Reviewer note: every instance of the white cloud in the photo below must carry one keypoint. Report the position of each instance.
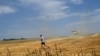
(86, 22)
(6, 9)
(93, 16)
(85, 14)
(97, 10)
(77, 1)
(50, 9)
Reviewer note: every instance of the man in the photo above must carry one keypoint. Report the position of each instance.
(42, 40)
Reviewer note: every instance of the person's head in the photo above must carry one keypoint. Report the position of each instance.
(41, 35)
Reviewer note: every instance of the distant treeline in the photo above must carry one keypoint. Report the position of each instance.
(13, 39)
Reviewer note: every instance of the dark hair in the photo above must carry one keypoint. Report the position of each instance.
(41, 35)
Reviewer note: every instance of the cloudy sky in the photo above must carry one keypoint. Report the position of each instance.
(30, 18)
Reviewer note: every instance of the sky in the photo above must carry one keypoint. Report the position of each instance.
(30, 18)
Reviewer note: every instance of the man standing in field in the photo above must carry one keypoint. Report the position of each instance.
(42, 41)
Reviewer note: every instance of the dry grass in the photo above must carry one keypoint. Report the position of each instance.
(89, 46)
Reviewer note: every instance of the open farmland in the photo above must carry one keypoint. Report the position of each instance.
(72, 46)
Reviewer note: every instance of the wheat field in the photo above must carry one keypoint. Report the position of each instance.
(72, 46)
